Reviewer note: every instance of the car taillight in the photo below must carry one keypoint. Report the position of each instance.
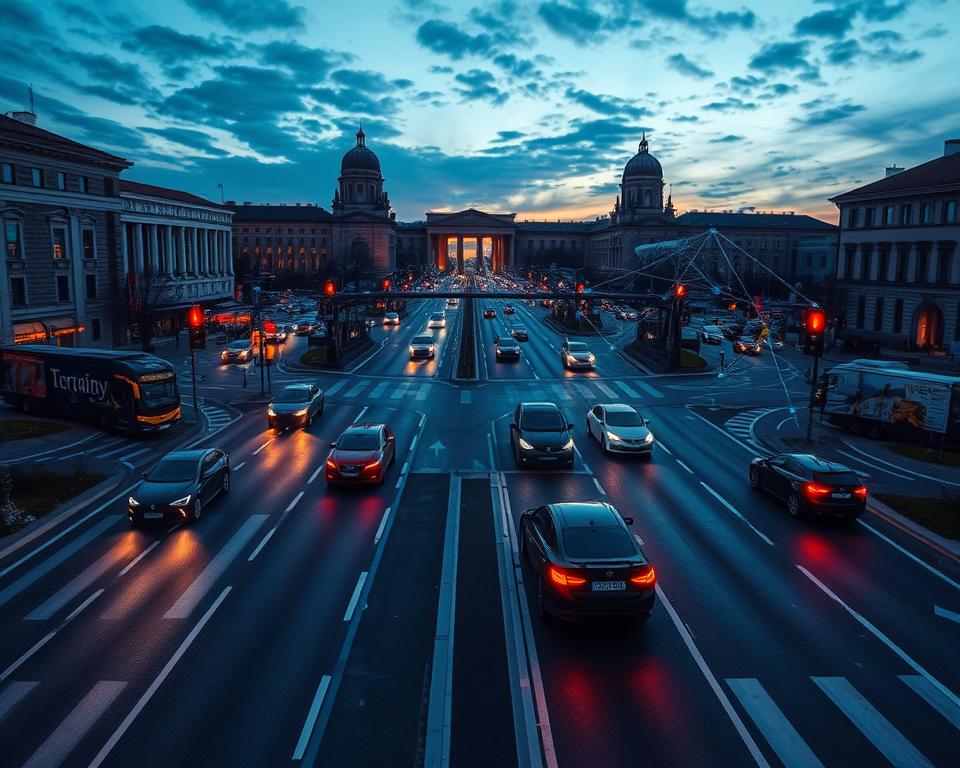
(815, 490)
(331, 464)
(373, 466)
(565, 579)
(645, 578)
(860, 491)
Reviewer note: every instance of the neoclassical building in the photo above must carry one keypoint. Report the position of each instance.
(361, 231)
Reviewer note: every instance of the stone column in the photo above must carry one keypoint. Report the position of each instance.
(194, 264)
(481, 265)
(154, 249)
(169, 263)
(76, 267)
(138, 250)
(460, 253)
(950, 251)
(204, 265)
(912, 264)
(842, 264)
(124, 265)
(933, 262)
(893, 261)
(6, 314)
(510, 252)
(230, 253)
(857, 263)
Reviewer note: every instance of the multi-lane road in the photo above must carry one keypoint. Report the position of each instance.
(395, 626)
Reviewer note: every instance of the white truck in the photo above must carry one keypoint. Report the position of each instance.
(876, 397)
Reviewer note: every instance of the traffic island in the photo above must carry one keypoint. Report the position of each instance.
(317, 357)
(27, 495)
(940, 515)
(25, 429)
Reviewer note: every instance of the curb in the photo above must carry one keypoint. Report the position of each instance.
(946, 547)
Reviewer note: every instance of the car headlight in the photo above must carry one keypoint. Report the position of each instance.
(411, 350)
(301, 412)
(611, 436)
(182, 502)
(270, 411)
(133, 502)
(223, 354)
(525, 445)
(591, 358)
(648, 438)
(568, 446)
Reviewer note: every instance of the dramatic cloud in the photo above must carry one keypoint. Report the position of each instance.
(777, 56)
(830, 115)
(479, 85)
(730, 138)
(684, 66)
(251, 15)
(730, 104)
(165, 44)
(575, 21)
(308, 64)
(835, 23)
(448, 39)
(605, 105)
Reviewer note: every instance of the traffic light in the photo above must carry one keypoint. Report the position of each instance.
(581, 287)
(386, 284)
(329, 288)
(198, 331)
(679, 290)
(815, 325)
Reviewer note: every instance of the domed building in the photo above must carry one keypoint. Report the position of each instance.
(641, 187)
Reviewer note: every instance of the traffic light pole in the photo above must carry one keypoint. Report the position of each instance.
(193, 378)
(813, 393)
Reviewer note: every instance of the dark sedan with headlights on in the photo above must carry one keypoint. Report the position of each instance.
(746, 345)
(507, 348)
(586, 561)
(810, 484)
(295, 406)
(361, 455)
(239, 351)
(179, 486)
(540, 434)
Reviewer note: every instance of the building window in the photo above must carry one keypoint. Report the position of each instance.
(878, 314)
(95, 328)
(12, 241)
(906, 214)
(897, 316)
(868, 217)
(926, 213)
(922, 261)
(36, 177)
(6, 173)
(59, 236)
(950, 212)
(63, 288)
(888, 215)
(61, 180)
(853, 218)
(91, 283)
(882, 265)
(823, 259)
(89, 245)
(943, 267)
(84, 184)
(18, 291)
(902, 260)
(808, 260)
(861, 310)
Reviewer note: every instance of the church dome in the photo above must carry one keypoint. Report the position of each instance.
(360, 158)
(643, 163)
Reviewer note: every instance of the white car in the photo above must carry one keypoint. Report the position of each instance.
(620, 428)
(452, 302)
(391, 318)
(437, 320)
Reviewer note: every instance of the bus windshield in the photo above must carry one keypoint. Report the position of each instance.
(157, 394)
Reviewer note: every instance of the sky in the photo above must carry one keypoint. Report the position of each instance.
(531, 107)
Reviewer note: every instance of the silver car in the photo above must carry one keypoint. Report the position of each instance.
(576, 354)
(422, 347)
(295, 406)
(620, 428)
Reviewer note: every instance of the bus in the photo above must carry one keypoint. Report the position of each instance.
(113, 389)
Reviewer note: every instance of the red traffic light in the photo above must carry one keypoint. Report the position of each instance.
(269, 326)
(386, 284)
(329, 288)
(580, 287)
(816, 320)
(679, 290)
(195, 317)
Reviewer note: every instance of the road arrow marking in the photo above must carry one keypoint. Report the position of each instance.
(436, 448)
(945, 614)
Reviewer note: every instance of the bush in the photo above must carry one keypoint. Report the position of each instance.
(315, 356)
(19, 429)
(690, 359)
(26, 495)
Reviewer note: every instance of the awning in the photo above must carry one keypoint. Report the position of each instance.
(24, 333)
(61, 326)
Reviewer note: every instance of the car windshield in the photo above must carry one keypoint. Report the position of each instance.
(173, 471)
(836, 478)
(436, 316)
(577, 346)
(597, 541)
(542, 421)
(358, 441)
(292, 395)
(423, 339)
(159, 393)
(391, 315)
(238, 346)
(624, 419)
(507, 343)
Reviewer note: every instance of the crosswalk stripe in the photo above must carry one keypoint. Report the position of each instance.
(58, 746)
(605, 389)
(129, 456)
(356, 389)
(878, 730)
(584, 390)
(562, 393)
(423, 393)
(790, 747)
(13, 693)
(379, 389)
(627, 389)
(336, 387)
(400, 391)
(934, 697)
(648, 389)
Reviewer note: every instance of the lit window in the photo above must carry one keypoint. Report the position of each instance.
(59, 243)
(11, 236)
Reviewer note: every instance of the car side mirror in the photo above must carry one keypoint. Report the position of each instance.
(143, 475)
(628, 520)
(526, 513)
(333, 445)
(569, 426)
(646, 422)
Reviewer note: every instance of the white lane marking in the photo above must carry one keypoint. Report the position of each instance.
(561, 392)
(238, 466)
(604, 388)
(82, 440)
(261, 545)
(933, 697)
(55, 560)
(627, 389)
(311, 718)
(599, 487)
(315, 473)
(334, 388)
(129, 456)
(662, 447)
(943, 613)
(909, 554)
(584, 390)
(401, 390)
(465, 397)
(684, 466)
(362, 412)
(648, 389)
(423, 393)
(193, 594)
(378, 390)
(352, 605)
(13, 693)
(878, 730)
(738, 724)
(293, 503)
(789, 745)
(112, 452)
(383, 522)
(155, 685)
(406, 466)
(875, 466)
(263, 446)
(437, 749)
(138, 558)
(735, 511)
(74, 587)
(864, 622)
(59, 744)
(752, 449)
(356, 389)
(913, 473)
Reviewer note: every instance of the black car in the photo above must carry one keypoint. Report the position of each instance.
(519, 332)
(489, 312)
(810, 484)
(541, 434)
(747, 345)
(179, 486)
(507, 348)
(586, 561)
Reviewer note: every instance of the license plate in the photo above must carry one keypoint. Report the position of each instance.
(548, 458)
(840, 495)
(351, 470)
(152, 515)
(608, 586)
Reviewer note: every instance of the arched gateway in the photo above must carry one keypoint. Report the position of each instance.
(446, 229)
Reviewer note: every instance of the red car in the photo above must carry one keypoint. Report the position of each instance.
(363, 454)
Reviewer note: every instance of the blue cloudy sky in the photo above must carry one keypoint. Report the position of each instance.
(531, 107)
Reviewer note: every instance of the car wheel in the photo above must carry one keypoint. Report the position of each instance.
(874, 431)
(542, 611)
(856, 427)
(226, 482)
(197, 510)
(793, 505)
(754, 479)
